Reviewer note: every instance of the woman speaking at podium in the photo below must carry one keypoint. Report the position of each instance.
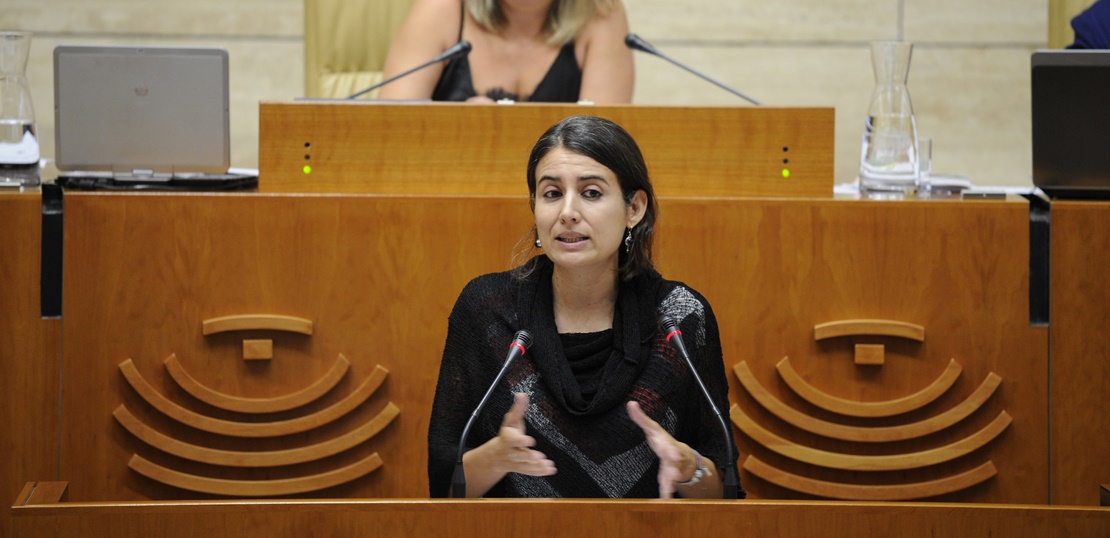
(522, 50)
(600, 404)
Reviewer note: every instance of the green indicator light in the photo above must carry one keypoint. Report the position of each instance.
(785, 172)
(307, 169)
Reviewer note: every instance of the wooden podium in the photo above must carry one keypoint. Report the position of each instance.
(284, 344)
(287, 345)
(417, 518)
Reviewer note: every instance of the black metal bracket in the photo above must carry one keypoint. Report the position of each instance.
(50, 279)
(1040, 227)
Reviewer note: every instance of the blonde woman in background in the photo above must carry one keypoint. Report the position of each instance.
(523, 50)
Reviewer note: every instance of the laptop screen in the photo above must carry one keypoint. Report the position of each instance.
(1071, 122)
(138, 110)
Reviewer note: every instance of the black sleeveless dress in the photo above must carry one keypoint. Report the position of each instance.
(561, 84)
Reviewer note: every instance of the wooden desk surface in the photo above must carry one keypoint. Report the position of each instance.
(416, 518)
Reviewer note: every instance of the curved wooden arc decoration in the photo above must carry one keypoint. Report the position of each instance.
(251, 429)
(275, 458)
(855, 408)
(254, 488)
(855, 492)
(855, 462)
(869, 327)
(247, 322)
(832, 430)
(257, 405)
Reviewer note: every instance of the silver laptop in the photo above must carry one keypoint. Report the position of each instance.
(142, 113)
(1071, 122)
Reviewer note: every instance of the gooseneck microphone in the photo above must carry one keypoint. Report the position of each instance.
(728, 475)
(458, 50)
(635, 42)
(521, 342)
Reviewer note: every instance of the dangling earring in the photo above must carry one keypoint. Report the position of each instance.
(538, 245)
(628, 241)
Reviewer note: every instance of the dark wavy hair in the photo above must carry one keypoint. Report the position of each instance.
(610, 145)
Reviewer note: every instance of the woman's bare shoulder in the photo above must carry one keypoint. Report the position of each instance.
(438, 18)
(608, 20)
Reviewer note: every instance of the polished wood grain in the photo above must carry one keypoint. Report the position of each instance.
(898, 492)
(42, 493)
(255, 488)
(1079, 323)
(869, 354)
(465, 518)
(246, 322)
(453, 148)
(30, 353)
(376, 289)
(232, 428)
(775, 269)
(258, 350)
(878, 327)
(284, 402)
(252, 458)
(378, 276)
(853, 462)
(862, 434)
(855, 408)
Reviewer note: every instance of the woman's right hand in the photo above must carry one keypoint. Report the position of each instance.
(514, 447)
(509, 452)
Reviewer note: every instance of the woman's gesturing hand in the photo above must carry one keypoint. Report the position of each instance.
(514, 445)
(677, 461)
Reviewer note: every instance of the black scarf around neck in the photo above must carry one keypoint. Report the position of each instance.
(634, 323)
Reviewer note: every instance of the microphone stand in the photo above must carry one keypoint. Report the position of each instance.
(459, 49)
(521, 342)
(728, 476)
(636, 42)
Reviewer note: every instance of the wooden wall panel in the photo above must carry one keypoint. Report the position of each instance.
(377, 275)
(29, 354)
(448, 148)
(1080, 351)
(775, 270)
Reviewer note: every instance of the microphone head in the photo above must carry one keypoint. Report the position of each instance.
(523, 339)
(460, 49)
(671, 332)
(635, 42)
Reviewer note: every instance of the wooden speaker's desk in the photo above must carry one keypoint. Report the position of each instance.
(451, 148)
(265, 345)
(151, 280)
(418, 518)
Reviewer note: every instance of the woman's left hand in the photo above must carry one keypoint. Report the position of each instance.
(677, 461)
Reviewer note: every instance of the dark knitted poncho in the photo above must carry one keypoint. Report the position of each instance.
(598, 451)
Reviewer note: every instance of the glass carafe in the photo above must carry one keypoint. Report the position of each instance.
(888, 157)
(19, 145)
